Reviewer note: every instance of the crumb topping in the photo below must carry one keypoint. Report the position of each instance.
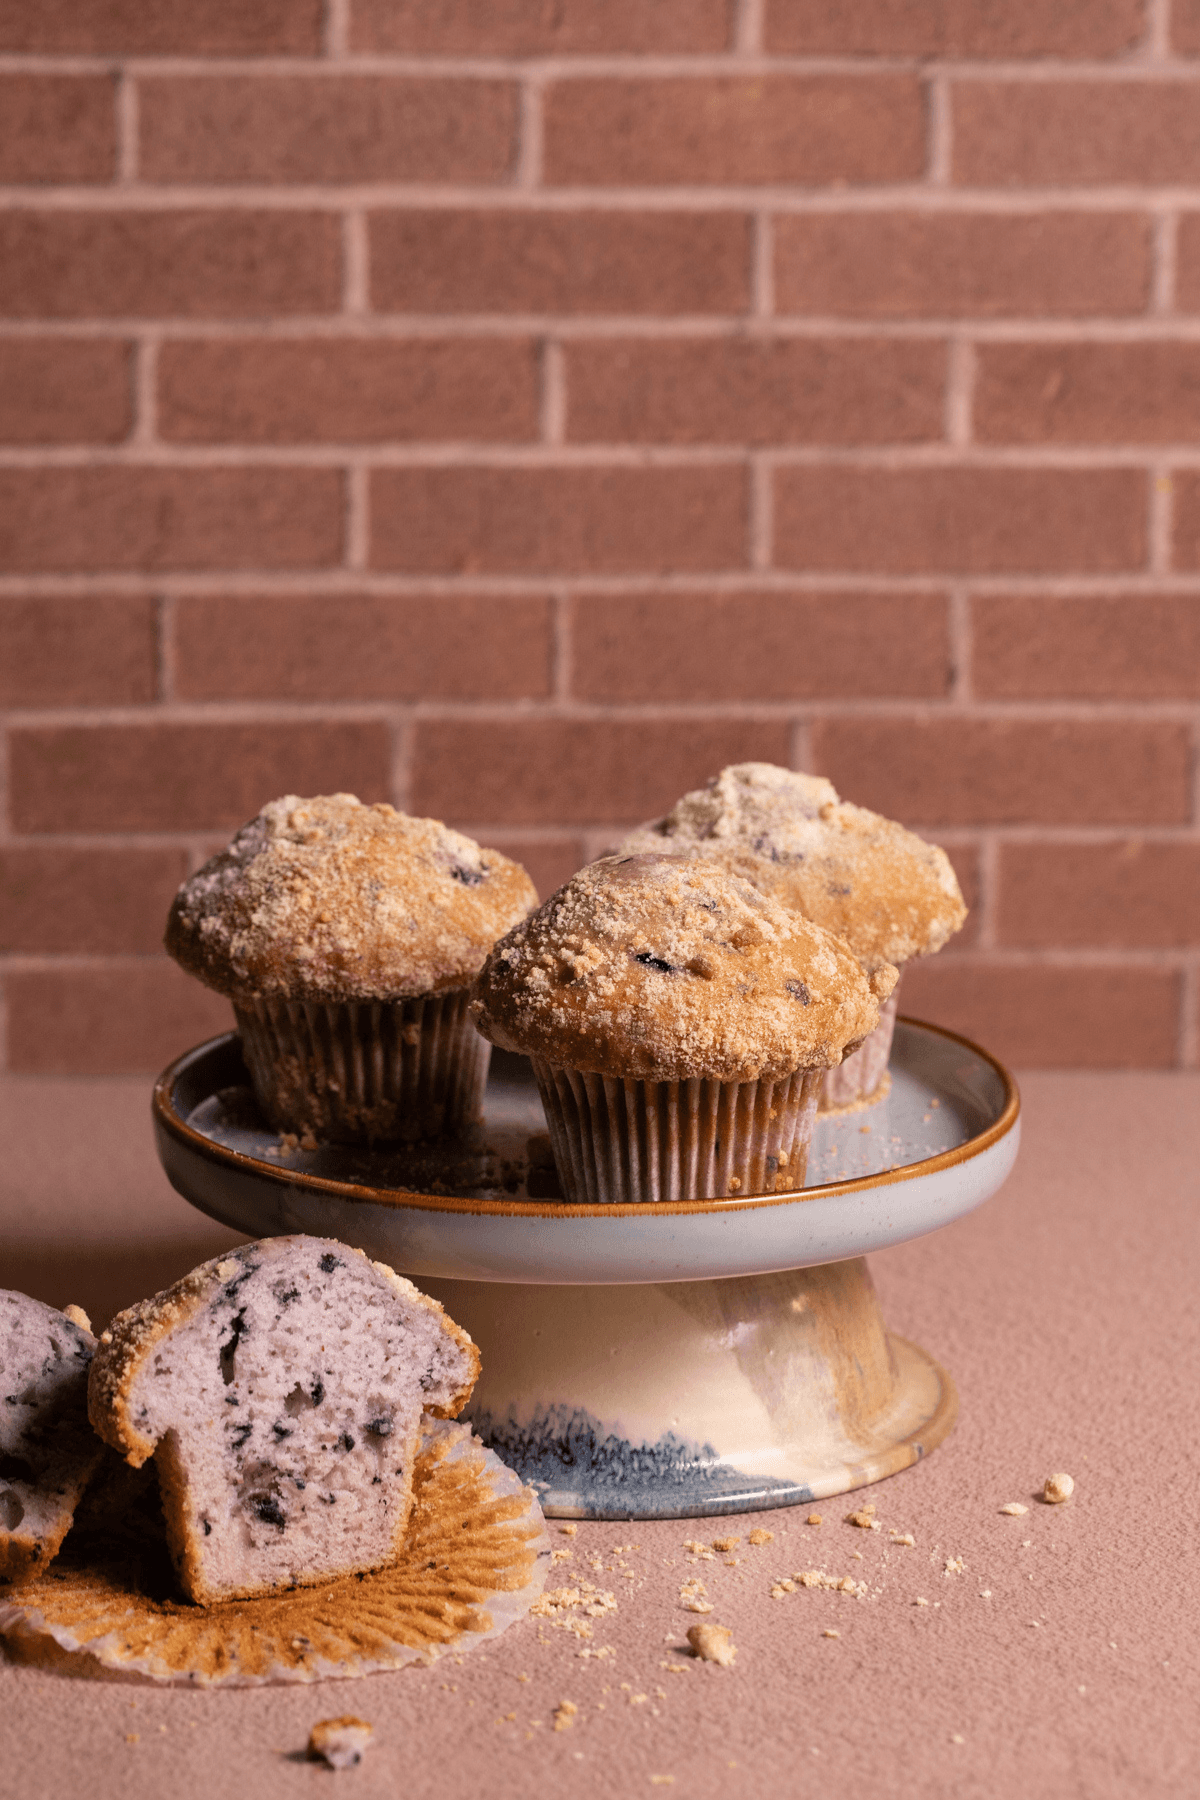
(329, 899)
(658, 968)
(887, 892)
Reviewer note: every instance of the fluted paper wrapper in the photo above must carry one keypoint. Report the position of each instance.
(366, 1072)
(620, 1143)
(860, 1079)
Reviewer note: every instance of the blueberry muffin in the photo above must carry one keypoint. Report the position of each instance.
(680, 1023)
(347, 937)
(889, 894)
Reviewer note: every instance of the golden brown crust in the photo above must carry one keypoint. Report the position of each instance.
(886, 891)
(328, 899)
(660, 968)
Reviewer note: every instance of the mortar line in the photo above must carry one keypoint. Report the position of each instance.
(762, 266)
(939, 127)
(961, 647)
(748, 28)
(1160, 522)
(127, 123)
(528, 157)
(1164, 263)
(553, 398)
(356, 278)
(761, 504)
(143, 380)
(562, 650)
(961, 366)
(356, 517)
(335, 45)
(166, 649)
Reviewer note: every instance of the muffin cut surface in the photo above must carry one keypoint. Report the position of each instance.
(48, 1451)
(280, 1390)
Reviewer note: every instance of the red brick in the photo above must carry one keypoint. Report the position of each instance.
(539, 520)
(64, 390)
(1048, 132)
(912, 265)
(961, 28)
(356, 390)
(57, 128)
(558, 262)
(85, 902)
(1131, 895)
(774, 646)
(156, 518)
(782, 128)
(1187, 271)
(541, 771)
(1035, 1015)
(1010, 772)
(1185, 26)
(1088, 393)
(756, 390)
(363, 646)
(185, 777)
(549, 862)
(123, 1018)
(965, 860)
(1186, 548)
(195, 264)
(166, 28)
(532, 28)
(331, 128)
(86, 650)
(977, 520)
(1094, 647)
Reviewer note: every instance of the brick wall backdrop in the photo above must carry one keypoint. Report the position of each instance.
(519, 408)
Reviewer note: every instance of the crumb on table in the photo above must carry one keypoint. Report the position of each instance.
(339, 1743)
(1057, 1488)
(713, 1643)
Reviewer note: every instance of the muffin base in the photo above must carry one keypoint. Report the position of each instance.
(860, 1080)
(622, 1143)
(366, 1072)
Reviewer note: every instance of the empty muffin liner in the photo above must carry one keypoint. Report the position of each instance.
(370, 1071)
(862, 1078)
(621, 1142)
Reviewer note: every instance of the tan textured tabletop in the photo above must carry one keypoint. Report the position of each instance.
(1061, 1660)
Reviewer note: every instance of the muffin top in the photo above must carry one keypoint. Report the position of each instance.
(887, 892)
(664, 968)
(328, 899)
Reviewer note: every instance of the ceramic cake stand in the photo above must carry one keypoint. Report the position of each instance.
(657, 1361)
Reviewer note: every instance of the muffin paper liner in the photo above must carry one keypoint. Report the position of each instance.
(621, 1142)
(474, 1561)
(362, 1072)
(861, 1076)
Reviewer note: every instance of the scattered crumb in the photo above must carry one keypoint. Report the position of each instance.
(584, 1597)
(638, 1699)
(903, 1537)
(864, 1518)
(703, 1551)
(920, 1603)
(1057, 1488)
(308, 1141)
(560, 1556)
(662, 1780)
(955, 1565)
(522, 1678)
(568, 1530)
(1014, 1509)
(857, 1555)
(817, 1578)
(339, 1743)
(713, 1643)
(985, 1593)
(726, 1544)
(288, 1140)
(761, 1536)
(830, 1632)
(814, 1519)
(78, 1317)
(564, 1715)
(781, 1588)
(600, 1654)
(133, 1737)
(957, 1738)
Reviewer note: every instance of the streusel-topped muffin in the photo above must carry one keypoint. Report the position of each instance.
(679, 1022)
(347, 937)
(887, 892)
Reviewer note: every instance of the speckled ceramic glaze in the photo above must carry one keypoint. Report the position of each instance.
(650, 1360)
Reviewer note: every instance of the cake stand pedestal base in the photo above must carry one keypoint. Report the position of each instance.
(690, 1398)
